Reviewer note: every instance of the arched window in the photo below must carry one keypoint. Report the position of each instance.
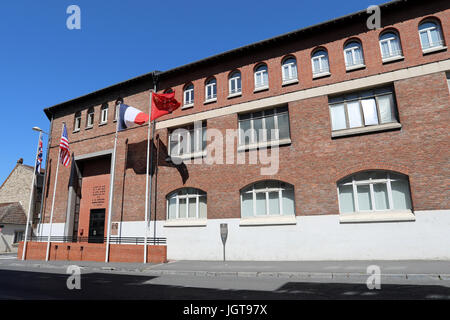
(90, 118)
(104, 113)
(390, 45)
(261, 77)
(373, 191)
(353, 55)
(234, 83)
(289, 70)
(320, 65)
(267, 198)
(430, 35)
(186, 203)
(211, 90)
(188, 95)
(77, 121)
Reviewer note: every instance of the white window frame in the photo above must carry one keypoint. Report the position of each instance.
(188, 96)
(104, 114)
(251, 189)
(352, 47)
(436, 46)
(392, 55)
(260, 85)
(361, 111)
(199, 151)
(77, 123)
(287, 70)
(253, 142)
(188, 198)
(324, 63)
(234, 78)
(209, 88)
(90, 119)
(390, 214)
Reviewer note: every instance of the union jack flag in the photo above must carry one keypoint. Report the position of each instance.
(64, 148)
(39, 156)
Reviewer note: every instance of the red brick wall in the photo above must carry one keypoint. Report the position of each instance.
(93, 252)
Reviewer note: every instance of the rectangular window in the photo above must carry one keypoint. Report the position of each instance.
(363, 109)
(90, 119)
(264, 126)
(77, 122)
(188, 141)
(18, 236)
(104, 115)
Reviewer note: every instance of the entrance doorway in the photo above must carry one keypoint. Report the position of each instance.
(97, 226)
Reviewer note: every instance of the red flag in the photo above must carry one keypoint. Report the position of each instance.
(163, 104)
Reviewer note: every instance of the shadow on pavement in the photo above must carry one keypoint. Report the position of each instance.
(100, 286)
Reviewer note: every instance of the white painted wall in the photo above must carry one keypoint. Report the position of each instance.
(312, 238)
(7, 237)
(57, 229)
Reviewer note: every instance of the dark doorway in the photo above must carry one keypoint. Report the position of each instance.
(97, 226)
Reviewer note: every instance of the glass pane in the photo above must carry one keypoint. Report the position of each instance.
(192, 139)
(338, 117)
(288, 202)
(385, 49)
(349, 58)
(202, 207)
(173, 208)
(270, 125)
(354, 114)
(283, 125)
(424, 40)
(400, 195)
(381, 196)
(370, 111)
(245, 132)
(346, 200)
(435, 37)
(203, 138)
(192, 208)
(386, 106)
(247, 204)
(182, 208)
(364, 201)
(257, 126)
(274, 203)
(261, 203)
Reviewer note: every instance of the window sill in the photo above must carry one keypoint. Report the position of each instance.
(264, 144)
(356, 67)
(186, 223)
(381, 216)
(187, 106)
(321, 75)
(355, 131)
(102, 124)
(258, 89)
(434, 49)
(268, 220)
(210, 101)
(288, 82)
(233, 95)
(75, 131)
(90, 127)
(392, 59)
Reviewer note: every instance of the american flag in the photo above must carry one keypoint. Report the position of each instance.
(64, 147)
(39, 156)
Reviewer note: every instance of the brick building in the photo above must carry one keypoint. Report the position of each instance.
(362, 168)
(14, 202)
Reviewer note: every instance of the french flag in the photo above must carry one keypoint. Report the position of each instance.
(129, 117)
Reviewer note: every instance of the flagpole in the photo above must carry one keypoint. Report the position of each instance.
(111, 191)
(31, 198)
(148, 185)
(53, 200)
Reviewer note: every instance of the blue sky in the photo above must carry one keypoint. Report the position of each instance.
(42, 63)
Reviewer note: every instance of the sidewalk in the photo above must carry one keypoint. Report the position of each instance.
(407, 269)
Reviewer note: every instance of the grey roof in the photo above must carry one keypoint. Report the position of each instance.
(148, 77)
(12, 213)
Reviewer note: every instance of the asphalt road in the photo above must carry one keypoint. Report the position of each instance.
(23, 283)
